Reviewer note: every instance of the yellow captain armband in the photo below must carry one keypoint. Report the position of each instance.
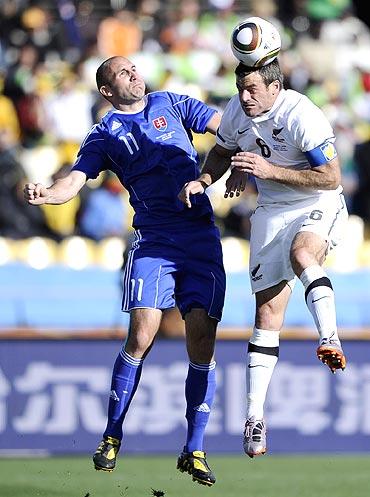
(322, 154)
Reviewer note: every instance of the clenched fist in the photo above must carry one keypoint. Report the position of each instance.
(35, 194)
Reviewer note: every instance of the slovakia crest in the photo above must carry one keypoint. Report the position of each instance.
(160, 123)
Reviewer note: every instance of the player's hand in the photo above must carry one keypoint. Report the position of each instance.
(235, 183)
(191, 188)
(35, 194)
(247, 162)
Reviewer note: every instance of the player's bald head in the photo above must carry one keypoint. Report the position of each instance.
(104, 72)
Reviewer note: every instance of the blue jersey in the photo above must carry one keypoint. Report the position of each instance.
(152, 154)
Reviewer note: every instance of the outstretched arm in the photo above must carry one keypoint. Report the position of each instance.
(215, 166)
(58, 193)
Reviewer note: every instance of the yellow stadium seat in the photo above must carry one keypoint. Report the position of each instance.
(236, 253)
(110, 253)
(346, 257)
(77, 252)
(8, 252)
(364, 254)
(62, 218)
(37, 252)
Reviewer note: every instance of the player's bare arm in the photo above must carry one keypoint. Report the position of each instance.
(214, 123)
(326, 176)
(215, 166)
(61, 191)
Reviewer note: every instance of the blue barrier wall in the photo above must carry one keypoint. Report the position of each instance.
(59, 297)
(53, 397)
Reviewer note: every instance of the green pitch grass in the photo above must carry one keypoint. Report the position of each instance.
(268, 476)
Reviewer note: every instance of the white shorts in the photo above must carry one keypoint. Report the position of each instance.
(274, 226)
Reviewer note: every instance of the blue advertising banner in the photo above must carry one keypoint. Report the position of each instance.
(53, 398)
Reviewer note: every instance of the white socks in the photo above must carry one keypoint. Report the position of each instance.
(263, 352)
(320, 301)
(263, 349)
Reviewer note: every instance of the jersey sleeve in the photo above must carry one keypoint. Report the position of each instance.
(92, 157)
(195, 114)
(313, 134)
(226, 133)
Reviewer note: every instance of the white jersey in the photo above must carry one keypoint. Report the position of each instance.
(293, 126)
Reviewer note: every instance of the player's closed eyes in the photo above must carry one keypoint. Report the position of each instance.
(125, 72)
(251, 89)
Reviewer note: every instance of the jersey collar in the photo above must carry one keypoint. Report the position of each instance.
(117, 111)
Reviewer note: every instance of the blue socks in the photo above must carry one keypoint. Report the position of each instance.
(125, 379)
(200, 389)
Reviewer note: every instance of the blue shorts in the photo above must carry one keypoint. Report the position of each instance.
(180, 266)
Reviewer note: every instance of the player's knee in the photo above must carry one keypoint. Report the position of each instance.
(300, 258)
(139, 342)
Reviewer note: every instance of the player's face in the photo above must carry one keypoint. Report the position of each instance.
(126, 85)
(255, 97)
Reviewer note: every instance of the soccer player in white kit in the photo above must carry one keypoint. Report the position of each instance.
(281, 138)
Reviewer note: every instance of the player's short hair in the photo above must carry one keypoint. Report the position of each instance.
(103, 73)
(269, 73)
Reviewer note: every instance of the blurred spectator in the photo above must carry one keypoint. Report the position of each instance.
(20, 87)
(72, 34)
(68, 109)
(87, 21)
(19, 80)
(119, 34)
(9, 124)
(361, 198)
(86, 67)
(40, 162)
(104, 212)
(18, 220)
(39, 29)
(150, 17)
(336, 38)
(179, 34)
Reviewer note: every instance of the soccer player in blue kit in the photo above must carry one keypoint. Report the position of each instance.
(176, 256)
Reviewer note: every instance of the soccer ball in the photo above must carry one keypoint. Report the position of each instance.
(255, 42)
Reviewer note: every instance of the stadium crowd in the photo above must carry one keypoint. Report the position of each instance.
(49, 52)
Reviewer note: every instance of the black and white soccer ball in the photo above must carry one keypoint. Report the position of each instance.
(255, 42)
